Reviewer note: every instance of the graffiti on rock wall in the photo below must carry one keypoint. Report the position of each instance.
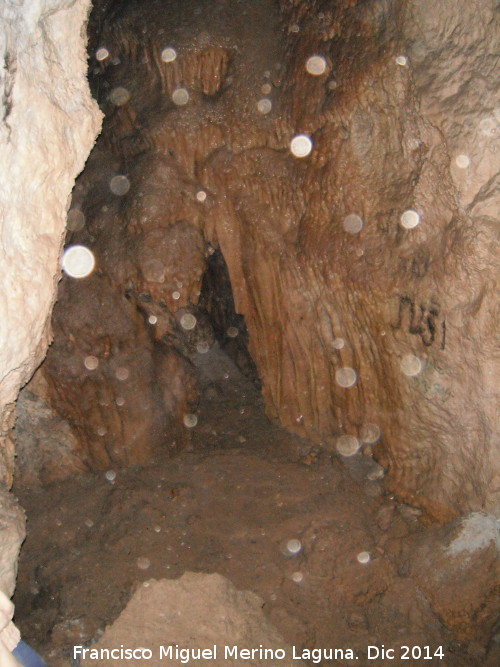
(421, 319)
(416, 266)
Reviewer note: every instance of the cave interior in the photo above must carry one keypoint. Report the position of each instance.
(271, 334)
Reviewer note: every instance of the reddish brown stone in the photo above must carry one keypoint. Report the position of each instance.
(316, 297)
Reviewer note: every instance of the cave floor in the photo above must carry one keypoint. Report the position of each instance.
(230, 505)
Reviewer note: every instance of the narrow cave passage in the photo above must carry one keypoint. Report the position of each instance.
(216, 299)
(238, 386)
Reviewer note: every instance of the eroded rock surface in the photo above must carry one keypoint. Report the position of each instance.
(364, 270)
(12, 534)
(467, 561)
(48, 123)
(366, 573)
(162, 614)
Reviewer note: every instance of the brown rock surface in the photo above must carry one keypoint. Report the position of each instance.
(461, 578)
(123, 410)
(197, 611)
(231, 506)
(356, 325)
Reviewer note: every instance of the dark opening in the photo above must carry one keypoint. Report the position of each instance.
(229, 327)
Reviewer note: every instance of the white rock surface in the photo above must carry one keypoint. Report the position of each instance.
(48, 123)
(478, 530)
(47, 128)
(12, 532)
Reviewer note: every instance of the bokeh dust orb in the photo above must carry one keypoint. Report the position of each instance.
(78, 261)
(301, 145)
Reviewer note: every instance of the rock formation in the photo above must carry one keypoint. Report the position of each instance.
(162, 614)
(314, 181)
(468, 563)
(363, 265)
(48, 124)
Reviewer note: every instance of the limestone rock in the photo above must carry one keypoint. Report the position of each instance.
(124, 393)
(48, 126)
(12, 533)
(452, 58)
(468, 562)
(194, 612)
(46, 446)
(364, 270)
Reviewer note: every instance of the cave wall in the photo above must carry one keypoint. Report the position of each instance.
(389, 138)
(359, 325)
(48, 124)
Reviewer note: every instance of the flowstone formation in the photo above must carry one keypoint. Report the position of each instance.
(342, 160)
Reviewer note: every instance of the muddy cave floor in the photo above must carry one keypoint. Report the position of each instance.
(229, 505)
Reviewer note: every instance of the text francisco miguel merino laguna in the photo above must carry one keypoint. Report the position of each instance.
(186, 655)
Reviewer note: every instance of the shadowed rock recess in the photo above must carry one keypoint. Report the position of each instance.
(363, 272)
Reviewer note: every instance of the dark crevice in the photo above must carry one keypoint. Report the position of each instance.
(230, 330)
